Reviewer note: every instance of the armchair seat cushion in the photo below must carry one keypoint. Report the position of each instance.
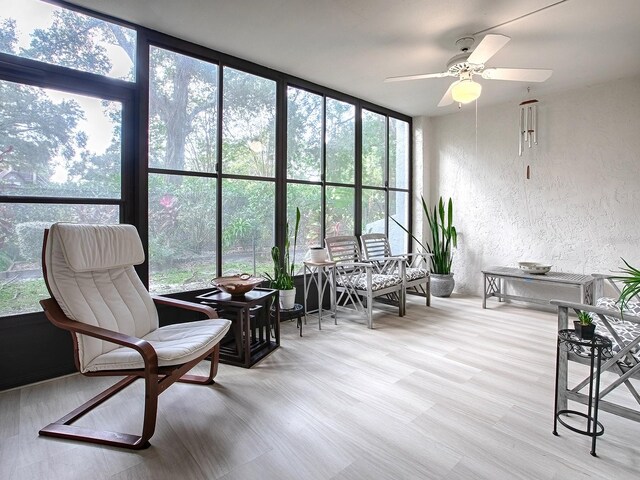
(627, 331)
(174, 344)
(359, 281)
(415, 273)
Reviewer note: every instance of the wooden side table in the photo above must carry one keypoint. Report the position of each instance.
(249, 339)
(494, 278)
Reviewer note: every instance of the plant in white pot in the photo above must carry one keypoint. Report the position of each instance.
(284, 268)
(444, 238)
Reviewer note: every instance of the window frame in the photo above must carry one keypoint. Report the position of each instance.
(134, 96)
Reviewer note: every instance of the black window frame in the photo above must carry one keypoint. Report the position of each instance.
(135, 100)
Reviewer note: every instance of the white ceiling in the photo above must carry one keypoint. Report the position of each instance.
(352, 45)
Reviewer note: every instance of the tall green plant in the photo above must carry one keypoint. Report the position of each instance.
(631, 281)
(444, 236)
(284, 268)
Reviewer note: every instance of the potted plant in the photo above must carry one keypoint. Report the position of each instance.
(284, 268)
(584, 326)
(444, 237)
(631, 281)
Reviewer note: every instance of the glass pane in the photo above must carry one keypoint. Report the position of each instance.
(248, 124)
(340, 142)
(373, 149)
(58, 144)
(182, 232)
(398, 153)
(247, 226)
(373, 211)
(399, 210)
(183, 106)
(41, 31)
(304, 134)
(21, 230)
(340, 211)
(308, 198)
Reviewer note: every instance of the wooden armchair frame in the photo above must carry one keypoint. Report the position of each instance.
(376, 248)
(157, 379)
(350, 270)
(623, 363)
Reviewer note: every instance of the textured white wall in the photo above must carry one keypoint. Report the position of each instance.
(580, 211)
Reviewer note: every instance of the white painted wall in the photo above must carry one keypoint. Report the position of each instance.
(580, 211)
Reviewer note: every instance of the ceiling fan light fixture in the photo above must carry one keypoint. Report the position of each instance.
(465, 91)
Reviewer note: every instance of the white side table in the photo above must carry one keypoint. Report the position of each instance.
(323, 275)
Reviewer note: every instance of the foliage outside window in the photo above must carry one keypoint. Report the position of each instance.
(52, 144)
(61, 144)
(40, 31)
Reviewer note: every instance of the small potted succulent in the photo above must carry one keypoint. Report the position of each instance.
(584, 326)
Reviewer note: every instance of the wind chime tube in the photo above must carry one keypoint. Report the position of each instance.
(529, 124)
(528, 133)
(520, 131)
(535, 124)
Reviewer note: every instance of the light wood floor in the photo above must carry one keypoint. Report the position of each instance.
(447, 392)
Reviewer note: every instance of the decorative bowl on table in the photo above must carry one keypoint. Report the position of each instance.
(237, 285)
(534, 268)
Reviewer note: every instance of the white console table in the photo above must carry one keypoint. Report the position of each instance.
(323, 275)
(494, 278)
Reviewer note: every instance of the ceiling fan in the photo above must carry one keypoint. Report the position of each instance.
(469, 63)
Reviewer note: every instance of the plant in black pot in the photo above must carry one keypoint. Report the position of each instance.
(584, 326)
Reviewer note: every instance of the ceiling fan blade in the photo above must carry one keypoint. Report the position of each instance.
(487, 48)
(447, 98)
(517, 74)
(416, 77)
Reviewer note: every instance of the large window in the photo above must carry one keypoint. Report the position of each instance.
(230, 149)
(188, 174)
(385, 177)
(40, 31)
(183, 120)
(61, 152)
(321, 166)
(248, 164)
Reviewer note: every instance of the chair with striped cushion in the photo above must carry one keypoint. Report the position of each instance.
(359, 282)
(376, 248)
(622, 327)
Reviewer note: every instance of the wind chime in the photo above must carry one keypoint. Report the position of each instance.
(528, 127)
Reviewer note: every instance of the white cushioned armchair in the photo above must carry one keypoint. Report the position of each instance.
(98, 297)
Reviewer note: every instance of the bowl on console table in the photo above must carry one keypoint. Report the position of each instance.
(237, 285)
(534, 268)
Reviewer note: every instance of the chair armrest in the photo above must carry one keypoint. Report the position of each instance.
(354, 264)
(597, 310)
(424, 255)
(55, 314)
(196, 307)
(603, 276)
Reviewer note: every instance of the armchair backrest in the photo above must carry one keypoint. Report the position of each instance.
(89, 271)
(343, 249)
(375, 245)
